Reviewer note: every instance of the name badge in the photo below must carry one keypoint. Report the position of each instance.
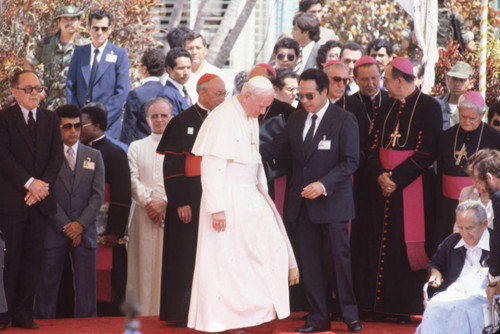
(190, 131)
(325, 144)
(87, 164)
(111, 58)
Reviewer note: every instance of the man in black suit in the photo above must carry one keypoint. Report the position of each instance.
(322, 141)
(31, 151)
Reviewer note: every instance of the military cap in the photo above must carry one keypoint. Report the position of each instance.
(68, 11)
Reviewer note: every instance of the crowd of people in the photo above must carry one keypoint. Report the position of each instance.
(324, 181)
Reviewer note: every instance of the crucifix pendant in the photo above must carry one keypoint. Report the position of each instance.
(253, 144)
(395, 135)
(461, 154)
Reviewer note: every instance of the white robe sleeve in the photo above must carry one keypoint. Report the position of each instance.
(140, 193)
(213, 182)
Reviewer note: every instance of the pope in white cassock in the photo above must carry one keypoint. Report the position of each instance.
(147, 212)
(244, 260)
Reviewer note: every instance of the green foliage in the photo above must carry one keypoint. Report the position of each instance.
(25, 21)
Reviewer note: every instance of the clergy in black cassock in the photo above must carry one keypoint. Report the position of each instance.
(400, 157)
(456, 145)
(181, 173)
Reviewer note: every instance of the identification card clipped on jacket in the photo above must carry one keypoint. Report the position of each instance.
(111, 57)
(87, 164)
(325, 144)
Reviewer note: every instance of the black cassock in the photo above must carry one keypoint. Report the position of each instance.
(386, 283)
(372, 105)
(456, 145)
(183, 187)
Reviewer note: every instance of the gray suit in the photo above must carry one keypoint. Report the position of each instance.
(79, 195)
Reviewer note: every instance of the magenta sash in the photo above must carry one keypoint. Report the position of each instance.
(413, 210)
(453, 185)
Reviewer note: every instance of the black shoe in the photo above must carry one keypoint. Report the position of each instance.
(403, 319)
(3, 326)
(309, 329)
(355, 326)
(28, 324)
(336, 316)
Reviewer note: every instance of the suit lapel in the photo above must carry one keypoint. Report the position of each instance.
(103, 64)
(20, 123)
(86, 63)
(80, 156)
(300, 131)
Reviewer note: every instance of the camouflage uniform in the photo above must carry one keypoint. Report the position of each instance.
(55, 57)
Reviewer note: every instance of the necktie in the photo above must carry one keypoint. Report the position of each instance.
(32, 125)
(71, 158)
(93, 73)
(186, 95)
(310, 133)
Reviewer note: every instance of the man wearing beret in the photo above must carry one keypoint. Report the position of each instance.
(400, 154)
(181, 173)
(54, 53)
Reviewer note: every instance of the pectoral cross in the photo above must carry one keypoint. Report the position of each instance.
(462, 153)
(253, 144)
(395, 135)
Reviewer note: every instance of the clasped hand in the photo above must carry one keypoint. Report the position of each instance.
(37, 192)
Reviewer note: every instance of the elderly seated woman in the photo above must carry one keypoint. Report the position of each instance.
(459, 269)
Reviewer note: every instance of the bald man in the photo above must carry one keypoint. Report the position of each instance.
(181, 172)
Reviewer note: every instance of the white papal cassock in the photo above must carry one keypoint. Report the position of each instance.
(145, 237)
(241, 275)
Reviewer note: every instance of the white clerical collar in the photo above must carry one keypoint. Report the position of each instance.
(333, 101)
(203, 107)
(97, 139)
(149, 79)
(484, 242)
(177, 85)
(26, 112)
(375, 95)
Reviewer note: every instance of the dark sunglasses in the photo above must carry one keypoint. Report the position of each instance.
(308, 96)
(103, 29)
(29, 89)
(339, 79)
(289, 57)
(496, 122)
(68, 126)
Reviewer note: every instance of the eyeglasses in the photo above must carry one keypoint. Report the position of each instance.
(339, 79)
(29, 89)
(220, 94)
(308, 96)
(86, 124)
(290, 57)
(103, 29)
(496, 122)
(162, 116)
(68, 126)
(292, 89)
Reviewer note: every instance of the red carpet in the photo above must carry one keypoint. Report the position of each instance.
(151, 325)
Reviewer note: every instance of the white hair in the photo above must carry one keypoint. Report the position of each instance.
(258, 85)
(475, 207)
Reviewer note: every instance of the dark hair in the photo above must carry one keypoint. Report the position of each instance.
(281, 75)
(14, 81)
(304, 5)
(175, 37)
(97, 113)
(308, 22)
(353, 47)
(318, 76)
(68, 111)
(239, 81)
(405, 76)
(99, 14)
(494, 110)
(191, 36)
(484, 161)
(154, 60)
(172, 55)
(287, 43)
(158, 100)
(378, 44)
(323, 50)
